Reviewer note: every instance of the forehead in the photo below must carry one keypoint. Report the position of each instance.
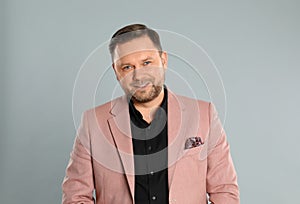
(139, 46)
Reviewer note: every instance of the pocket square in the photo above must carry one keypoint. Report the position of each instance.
(193, 142)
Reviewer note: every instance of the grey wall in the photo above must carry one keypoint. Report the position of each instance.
(255, 44)
(2, 78)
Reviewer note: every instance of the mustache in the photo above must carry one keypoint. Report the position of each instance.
(141, 82)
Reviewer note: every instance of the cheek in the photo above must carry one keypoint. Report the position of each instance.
(160, 73)
(125, 80)
(123, 76)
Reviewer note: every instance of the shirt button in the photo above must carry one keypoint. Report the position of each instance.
(153, 197)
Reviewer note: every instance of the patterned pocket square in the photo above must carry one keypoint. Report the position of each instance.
(193, 142)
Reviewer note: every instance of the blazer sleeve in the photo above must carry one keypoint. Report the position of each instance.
(221, 182)
(78, 184)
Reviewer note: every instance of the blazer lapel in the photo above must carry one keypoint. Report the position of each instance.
(176, 133)
(183, 122)
(121, 131)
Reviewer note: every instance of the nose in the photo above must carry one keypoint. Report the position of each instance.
(137, 73)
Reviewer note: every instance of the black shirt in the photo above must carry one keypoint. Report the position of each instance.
(150, 155)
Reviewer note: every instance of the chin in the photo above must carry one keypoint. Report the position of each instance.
(145, 98)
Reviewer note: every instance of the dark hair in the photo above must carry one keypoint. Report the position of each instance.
(131, 32)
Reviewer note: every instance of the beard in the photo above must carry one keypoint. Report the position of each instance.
(146, 95)
(144, 89)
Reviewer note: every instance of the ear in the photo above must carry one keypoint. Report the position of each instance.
(116, 72)
(164, 59)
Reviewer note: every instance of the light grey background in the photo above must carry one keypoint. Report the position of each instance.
(255, 45)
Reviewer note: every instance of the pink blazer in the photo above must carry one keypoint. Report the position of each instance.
(102, 163)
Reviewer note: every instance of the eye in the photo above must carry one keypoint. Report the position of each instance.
(147, 63)
(126, 67)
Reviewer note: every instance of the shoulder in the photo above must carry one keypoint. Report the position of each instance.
(195, 107)
(192, 100)
(105, 110)
(189, 102)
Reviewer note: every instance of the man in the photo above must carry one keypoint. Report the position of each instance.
(151, 145)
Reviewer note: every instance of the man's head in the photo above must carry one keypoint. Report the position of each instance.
(138, 61)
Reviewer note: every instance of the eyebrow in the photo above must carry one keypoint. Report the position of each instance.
(143, 60)
(147, 58)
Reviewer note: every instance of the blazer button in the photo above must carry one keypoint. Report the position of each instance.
(153, 197)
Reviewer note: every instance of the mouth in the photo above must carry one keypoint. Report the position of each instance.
(141, 85)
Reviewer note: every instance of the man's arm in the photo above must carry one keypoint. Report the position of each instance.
(221, 179)
(78, 184)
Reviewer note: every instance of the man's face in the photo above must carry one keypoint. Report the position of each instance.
(140, 69)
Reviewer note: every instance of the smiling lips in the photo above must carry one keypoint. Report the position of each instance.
(141, 85)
